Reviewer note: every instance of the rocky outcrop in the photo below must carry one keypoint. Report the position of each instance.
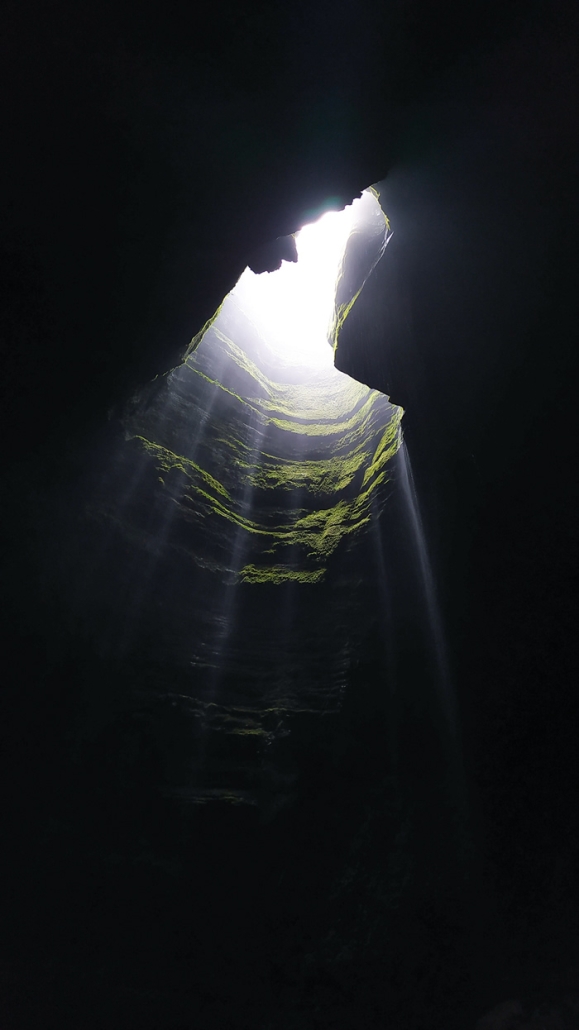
(269, 256)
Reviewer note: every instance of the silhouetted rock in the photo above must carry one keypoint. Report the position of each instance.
(269, 256)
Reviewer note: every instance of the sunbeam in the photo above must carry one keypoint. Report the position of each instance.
(428, 584)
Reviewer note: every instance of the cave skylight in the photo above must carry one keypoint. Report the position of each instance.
(293, 307)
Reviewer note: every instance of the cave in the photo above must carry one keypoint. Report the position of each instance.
(289, 488)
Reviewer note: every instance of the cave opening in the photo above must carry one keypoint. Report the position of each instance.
(246, 505)
(240, 596)
(253, 537)
(292, 306)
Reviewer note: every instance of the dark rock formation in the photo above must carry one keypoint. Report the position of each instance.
(547, 1015)
(408, 879)
(269, 256)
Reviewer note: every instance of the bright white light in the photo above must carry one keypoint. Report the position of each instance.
(293, 306)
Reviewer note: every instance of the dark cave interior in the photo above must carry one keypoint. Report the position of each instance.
(337, 858)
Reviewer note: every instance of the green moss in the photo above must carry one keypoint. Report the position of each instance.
(244, 363)
(329, 442)
(376, 192)
(166, 460)
(199, 336)
(341, 314)
(249, 732)
(318, 477)
(387, 446)
(279, 574)
(316, 534)
(348, 288)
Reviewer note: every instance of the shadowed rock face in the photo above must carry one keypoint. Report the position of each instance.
(396, 883)
(550, 1015)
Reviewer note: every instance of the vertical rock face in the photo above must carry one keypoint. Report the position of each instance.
(234, 515)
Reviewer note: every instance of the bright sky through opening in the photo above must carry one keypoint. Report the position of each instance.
(293, 306)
